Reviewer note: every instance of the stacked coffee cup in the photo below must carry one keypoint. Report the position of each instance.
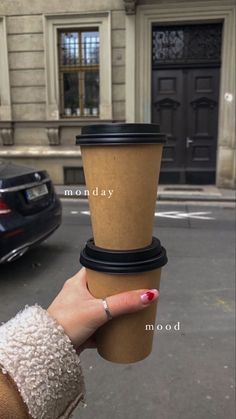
(122, 163)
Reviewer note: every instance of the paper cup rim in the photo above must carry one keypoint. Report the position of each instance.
(119, 134)
(121, 262)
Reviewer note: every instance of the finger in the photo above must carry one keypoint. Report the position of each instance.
(80, 276)
(128, 302)
(80, 279)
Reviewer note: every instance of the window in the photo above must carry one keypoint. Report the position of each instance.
(186, 44)
(54, 25)
(78, 57)
(74, 176)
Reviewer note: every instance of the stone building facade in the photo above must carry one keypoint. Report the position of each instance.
(33, 129)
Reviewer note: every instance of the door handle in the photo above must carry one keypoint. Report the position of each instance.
(188, 142)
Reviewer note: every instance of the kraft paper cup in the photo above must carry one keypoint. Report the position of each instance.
(122, 165)
(127, 338)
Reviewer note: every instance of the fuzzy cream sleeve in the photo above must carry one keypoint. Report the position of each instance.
(40, 358)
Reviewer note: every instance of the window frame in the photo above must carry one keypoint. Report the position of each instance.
(75, 68)
(55, 23)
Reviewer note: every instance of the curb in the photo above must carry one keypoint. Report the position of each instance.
(195, 198)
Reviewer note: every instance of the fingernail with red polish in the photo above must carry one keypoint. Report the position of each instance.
(149, 296)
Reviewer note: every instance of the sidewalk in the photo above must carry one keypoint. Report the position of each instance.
(206, 193)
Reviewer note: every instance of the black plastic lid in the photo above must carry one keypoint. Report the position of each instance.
(118, 134)
(123, 262)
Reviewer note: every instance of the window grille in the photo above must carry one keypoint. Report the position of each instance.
(74, 176)
(186, 44)
(78, 52)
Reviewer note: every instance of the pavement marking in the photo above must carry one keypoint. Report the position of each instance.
(85, 212)
(74, 212)
(224, 304)
(177, 215)
(218, 204)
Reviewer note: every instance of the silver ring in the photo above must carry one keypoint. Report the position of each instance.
(106, 308)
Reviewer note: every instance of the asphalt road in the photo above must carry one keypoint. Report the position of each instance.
(190, 373)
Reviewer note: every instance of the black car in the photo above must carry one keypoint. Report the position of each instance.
(30, 210)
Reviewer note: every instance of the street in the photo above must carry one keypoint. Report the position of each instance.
(190, 373)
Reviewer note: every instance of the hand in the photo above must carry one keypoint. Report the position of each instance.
(80, 314)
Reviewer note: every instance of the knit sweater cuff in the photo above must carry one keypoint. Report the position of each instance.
(40, 358)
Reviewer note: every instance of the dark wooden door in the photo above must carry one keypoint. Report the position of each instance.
(185, 104)
(202, 123)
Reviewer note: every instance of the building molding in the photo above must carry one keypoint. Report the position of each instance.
(5, 97)
(44, 123)
(53, 136)
(6, 135)
(190, 12)
(130, 6)
(40, 152)
(130, 68)
(60, 21)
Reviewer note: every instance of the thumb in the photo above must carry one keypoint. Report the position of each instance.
(129, 302)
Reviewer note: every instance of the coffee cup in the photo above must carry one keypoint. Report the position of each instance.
(127, 338)
(122, 161)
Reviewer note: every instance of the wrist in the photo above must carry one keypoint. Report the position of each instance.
(50, 378)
